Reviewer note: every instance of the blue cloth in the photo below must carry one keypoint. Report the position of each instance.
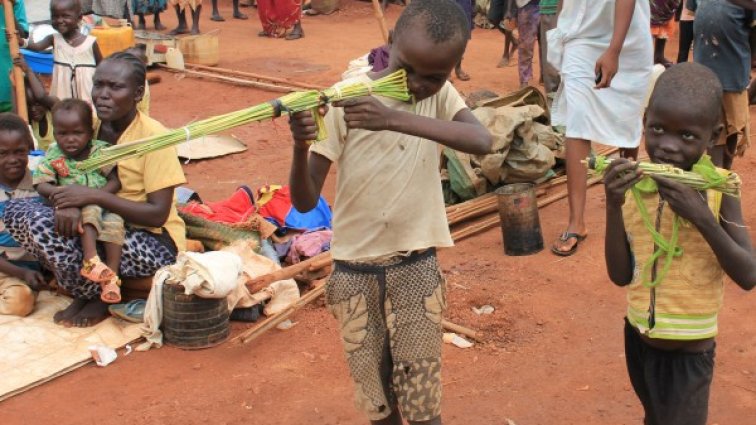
(5, 60)
(319, 217)
(722, 32)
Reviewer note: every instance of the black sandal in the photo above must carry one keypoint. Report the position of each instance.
(564, 237)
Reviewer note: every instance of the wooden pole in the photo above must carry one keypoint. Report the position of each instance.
(15, 54)
(261, 282)
(262, 78)
(449, 326)
(381, 20)
(236, 81)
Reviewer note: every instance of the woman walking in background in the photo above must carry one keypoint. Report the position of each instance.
(597, 100)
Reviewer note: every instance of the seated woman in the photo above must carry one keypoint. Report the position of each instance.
(154, 231)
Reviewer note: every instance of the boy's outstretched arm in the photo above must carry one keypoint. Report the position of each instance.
(308, 171)
(464, 133)
(729, 240)
(620, 177)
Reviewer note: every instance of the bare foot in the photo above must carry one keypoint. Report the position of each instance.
(263, 34)
(217, 18)
(179, 31)
(94, 312)
(160, 27)
(63, 317)
(239, 15)
(141, 26)
(503, 63)
(195, 31)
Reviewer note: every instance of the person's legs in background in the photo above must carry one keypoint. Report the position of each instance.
(528, 21)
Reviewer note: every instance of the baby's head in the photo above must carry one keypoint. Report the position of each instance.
(72, 127)
(684, 115)
(428, 41)
(15, 142)
(65, 15)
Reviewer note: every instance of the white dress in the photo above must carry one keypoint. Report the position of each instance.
(73, 69)
(611, 116)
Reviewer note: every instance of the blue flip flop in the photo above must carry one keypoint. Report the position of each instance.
(132, 311)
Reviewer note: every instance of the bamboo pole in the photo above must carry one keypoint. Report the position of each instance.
(15, 54)
(378, 10)
(260, 77)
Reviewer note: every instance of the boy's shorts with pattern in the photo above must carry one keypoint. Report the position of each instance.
(737, 119)
(390, 317)
(110, 228)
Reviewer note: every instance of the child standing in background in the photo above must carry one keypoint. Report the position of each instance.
(675, 275)
(75, 55)
(722, 43)
(149, 7)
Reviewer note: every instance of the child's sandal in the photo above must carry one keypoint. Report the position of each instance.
(97, 271)
(111, 291)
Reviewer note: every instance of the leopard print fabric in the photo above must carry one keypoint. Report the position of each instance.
(32, 224)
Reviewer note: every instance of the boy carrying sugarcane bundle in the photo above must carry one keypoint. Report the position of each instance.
(386, 290)
(671, 246)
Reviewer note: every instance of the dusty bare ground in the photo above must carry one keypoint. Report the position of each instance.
(554, 351)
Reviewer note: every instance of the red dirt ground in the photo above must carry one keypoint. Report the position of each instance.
(555, 350)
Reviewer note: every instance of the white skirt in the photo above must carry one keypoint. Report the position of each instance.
(611, 116)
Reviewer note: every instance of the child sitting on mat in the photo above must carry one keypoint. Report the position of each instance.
(75, 55)
(387, 290)
(671, 247)
(72, 123)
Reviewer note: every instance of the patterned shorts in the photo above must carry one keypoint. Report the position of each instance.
(110, 227)
(390, 317)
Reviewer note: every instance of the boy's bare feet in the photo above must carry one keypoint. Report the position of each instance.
(504, 62)
(239, 15)
(94, 312)
(63, 317)
(217, 18)
(263, 34)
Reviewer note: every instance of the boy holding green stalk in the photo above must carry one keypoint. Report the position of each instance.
(678, 245)
(387, 290)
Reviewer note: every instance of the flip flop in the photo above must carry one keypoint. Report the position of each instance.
(132, 311)
(564, 237)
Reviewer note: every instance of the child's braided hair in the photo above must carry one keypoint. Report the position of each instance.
(444, 20)
(138, 69)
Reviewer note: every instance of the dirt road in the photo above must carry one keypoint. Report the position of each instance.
(554, 352)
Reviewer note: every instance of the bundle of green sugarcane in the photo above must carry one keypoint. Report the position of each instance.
(703, 175)
(393, 86)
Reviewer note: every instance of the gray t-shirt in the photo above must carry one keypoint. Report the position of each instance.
(721, 41)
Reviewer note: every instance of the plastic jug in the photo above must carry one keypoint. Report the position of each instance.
(174, 58)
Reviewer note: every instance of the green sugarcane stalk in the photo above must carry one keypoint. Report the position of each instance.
(393, 86)
(729, 186)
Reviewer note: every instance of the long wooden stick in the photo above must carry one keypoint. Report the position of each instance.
(381, 20)
(15, 54)
(261, 282)
(278, 318)
(460, 329)
(260, 77)
(236, 81)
